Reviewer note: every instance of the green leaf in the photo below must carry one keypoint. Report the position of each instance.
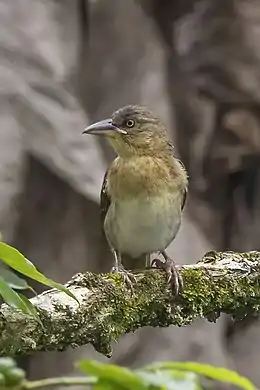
(13, 280)
(6, 364)
(119, 377)
(14, 378)
(12, 298)
(105, 385)
(170, 380)
(18, 301)
(18, 262)
(31, 308)
(217, 373)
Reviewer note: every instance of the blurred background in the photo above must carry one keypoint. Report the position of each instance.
(67, 63)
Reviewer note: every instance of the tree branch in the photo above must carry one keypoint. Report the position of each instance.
(60, 381)
(222, 282)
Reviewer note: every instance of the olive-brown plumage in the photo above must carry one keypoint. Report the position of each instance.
(144, 190)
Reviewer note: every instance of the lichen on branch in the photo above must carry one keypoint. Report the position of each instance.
(222, 282)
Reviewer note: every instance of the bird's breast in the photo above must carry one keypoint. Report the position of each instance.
(145, 175)
(139, 225)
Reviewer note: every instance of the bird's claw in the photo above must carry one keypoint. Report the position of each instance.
(173, 275)
(128, 278)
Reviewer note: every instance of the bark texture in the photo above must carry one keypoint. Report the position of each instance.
(219, 283)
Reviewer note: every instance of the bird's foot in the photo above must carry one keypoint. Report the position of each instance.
(173, 275)
(128, 278)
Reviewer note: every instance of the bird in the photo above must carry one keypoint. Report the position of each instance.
(143, 193)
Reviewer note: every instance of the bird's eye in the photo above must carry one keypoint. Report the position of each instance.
(130, 123)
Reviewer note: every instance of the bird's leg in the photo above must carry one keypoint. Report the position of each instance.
(172, 273)
(117, 261)
(147, 261)
(118, 268)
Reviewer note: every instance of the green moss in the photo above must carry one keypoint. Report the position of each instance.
(153, 304)
(110, 309)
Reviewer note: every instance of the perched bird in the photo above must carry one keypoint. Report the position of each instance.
(143, 192)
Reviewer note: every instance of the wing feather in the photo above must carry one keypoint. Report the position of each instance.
(105, 199)
(184, 198)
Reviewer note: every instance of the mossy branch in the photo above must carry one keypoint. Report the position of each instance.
(222, 282)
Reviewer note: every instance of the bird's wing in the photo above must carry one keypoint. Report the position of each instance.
(105, 199)
(185, 191)
(184, 198)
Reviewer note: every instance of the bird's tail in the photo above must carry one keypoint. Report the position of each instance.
(139, 263)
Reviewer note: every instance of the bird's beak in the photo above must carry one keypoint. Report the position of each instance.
(104, 127)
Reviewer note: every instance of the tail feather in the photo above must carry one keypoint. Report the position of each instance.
(134, 264)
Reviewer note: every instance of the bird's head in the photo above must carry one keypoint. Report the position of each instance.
(133, 130)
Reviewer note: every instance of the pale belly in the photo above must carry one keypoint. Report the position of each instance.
(141, 226)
